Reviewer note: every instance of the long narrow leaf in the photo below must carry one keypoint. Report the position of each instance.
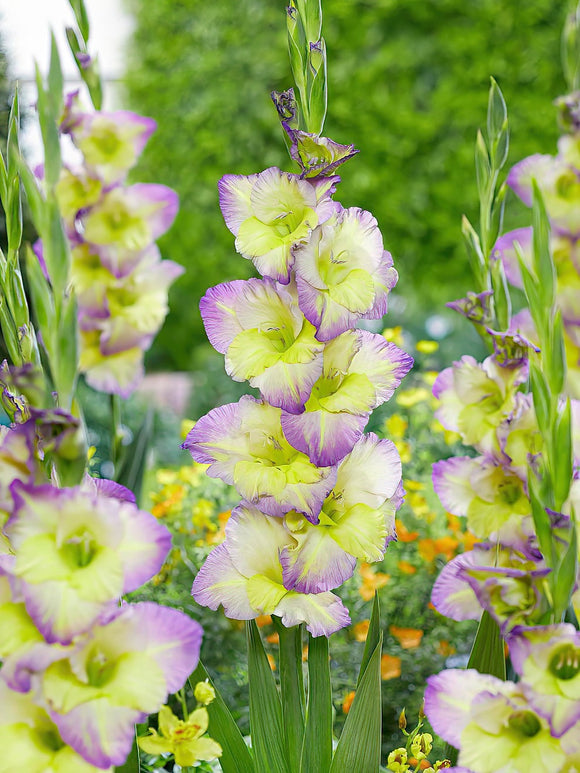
(265, 709)
(359, 747)
(317, 748)
(236, 757)
(292, 691)
(373, 637)
(487, 654)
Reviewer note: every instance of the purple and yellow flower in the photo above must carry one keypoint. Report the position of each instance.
(270, 213)
(122, 670)
(490, 495)
(31, 741)
(76, 553)
(317, 155)
(357, 520)
(360, 372)
(343, 273)
(244, 445)
(266, 339)
(476, 397)
(491, 723)
(185, 739)
(244, 574)
(547, 658)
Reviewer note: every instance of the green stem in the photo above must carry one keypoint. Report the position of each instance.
(181, 695)
(292, 688)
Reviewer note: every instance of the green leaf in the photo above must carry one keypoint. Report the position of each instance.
(556, 366)
(501, 295)
(317, 747)
(541, 519)
(487, 654)
(49, 131)
(497, 210)
(67, 348)
(41, 296)
(359, 746)
(475, 253)
(33, 195)
(236, 757)
(373, 637)
(55, 81)
(541, 394)
(266, 725)
(292, 691)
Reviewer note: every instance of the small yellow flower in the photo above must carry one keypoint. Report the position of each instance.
(396, 426)
(166, 477)
(182, 738)
(404, 450)
(186, 426)
(413, 396)
(361, 630)
(427, 347)
(394, 334)
(397, 761)
(204, 693)
(421, 745)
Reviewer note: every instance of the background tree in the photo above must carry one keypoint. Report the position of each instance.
(408, 84)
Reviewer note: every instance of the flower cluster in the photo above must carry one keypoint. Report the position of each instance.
(119, 279)
(558, 179)
(79, 669)
(317, 492)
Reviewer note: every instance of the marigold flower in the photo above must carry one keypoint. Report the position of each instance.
(360, 630)
(390, 667)
(347, 702)
(408, 638)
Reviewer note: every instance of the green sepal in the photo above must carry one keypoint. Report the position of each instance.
(496, 112)
(67, 347)
(543, 262)
(14, 222)
(33, 195)
(359, 746)
(55, 81)
(317, 747)
(541, 395)
(49, 131)
(42, 301)
(501, 295)
(556, 366)
(12, 144)
(570, 49)
(487, 654)
(81, 17)
(475, 253)
(316, 88)
(532, 290)
(565, 574)
(9, 333)
(497, 211)
(236, 757)
(541, 519)
(266, 725)
(563, 456)
(482, 165)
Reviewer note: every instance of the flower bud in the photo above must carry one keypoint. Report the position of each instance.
(204, 693)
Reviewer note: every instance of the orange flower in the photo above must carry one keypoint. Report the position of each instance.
(453, 522)
(469, 540)
(423, 764)
(403, 534)
(263, 620)
(390, 667)
(408, 638)
(429, 549)
(305, 653)
(445, 649)
(360, 630)
(371, 581)
(273, 638)
(272, 662)
(406, 567)
(347, 702)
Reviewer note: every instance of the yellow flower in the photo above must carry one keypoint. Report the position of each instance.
(404, 450)
(204, 693)
(347, 702)
(397, 760)
(181, 738)
(360, 630)
(427, 347)
(396, 426)
(411, 397)
(394, 334)
(390, 667)
(202, 512)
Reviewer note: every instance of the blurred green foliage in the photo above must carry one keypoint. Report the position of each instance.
(408, 83)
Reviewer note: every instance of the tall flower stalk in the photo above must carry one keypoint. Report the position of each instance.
(317, 492)
(520, 493)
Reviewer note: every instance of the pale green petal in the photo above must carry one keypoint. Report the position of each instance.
(362, 532)
(128, 687)
(356, 292)
(251, 353)
(355, 395)
(254, 480)
(23, 750)
(264, 594)
(63, 691)
(256, 239)
(201, 749)
(17, 629)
